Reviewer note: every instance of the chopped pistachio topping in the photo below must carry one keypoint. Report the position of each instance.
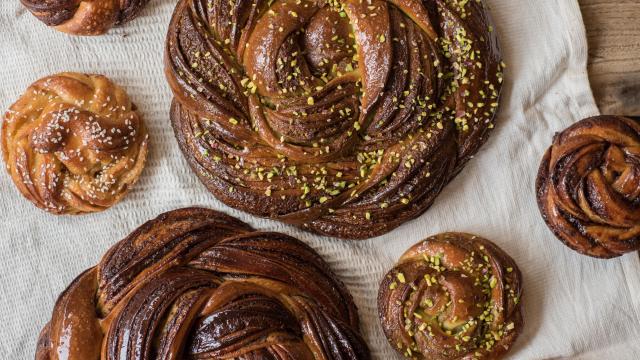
(401, 278)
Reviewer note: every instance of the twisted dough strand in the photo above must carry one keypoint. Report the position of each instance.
(452, 296)
(344, 118)
(84, 17)
(588, 186)
(197, 284)
(74, 143)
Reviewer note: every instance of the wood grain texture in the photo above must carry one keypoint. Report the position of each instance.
(613, 32)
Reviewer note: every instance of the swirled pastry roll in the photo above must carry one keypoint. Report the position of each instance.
(346, 118)
(74, 143)
(197, 284)
(84, 17)
(452, 296)
(588, 186)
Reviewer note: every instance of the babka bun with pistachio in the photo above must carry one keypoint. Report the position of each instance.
(452, 296)
(345, 118)
(84, 17)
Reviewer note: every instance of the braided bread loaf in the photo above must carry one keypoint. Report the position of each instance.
(84, 17)
(588, 186)
(452, 296)
(344, 118)
(74, 143)
(197, 284)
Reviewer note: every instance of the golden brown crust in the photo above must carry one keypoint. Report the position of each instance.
(197, 284)
(74, 143)
(452, 296)
(588, 186)
(343, 118)
(84, 17)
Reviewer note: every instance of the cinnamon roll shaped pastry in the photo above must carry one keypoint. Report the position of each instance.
(345, 118)
(84, 17)
(197, 284)
(588, 186)
(74, 143)
(452, 296)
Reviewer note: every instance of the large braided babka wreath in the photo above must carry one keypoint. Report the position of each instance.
(452, 296)
(588, 186)
(197, 284)
(84, 17)
(344, 118)
(74, 143)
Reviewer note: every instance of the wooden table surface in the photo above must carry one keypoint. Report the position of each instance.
(613, 32)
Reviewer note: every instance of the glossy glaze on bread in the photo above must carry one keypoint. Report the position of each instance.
(74, 143)
(344, 118)
(197, 284)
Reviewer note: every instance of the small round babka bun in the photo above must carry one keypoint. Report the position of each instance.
(74, 143)
(345, 118)
(588, 186)
(452, 296)
(84, 17)
(197, 284)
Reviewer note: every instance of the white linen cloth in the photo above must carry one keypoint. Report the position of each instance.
(575, 307)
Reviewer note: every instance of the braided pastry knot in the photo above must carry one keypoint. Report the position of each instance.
(588, 186)
(344, 118)
(197, 284)
(84, 17)
(452, 296)
(74, 143)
